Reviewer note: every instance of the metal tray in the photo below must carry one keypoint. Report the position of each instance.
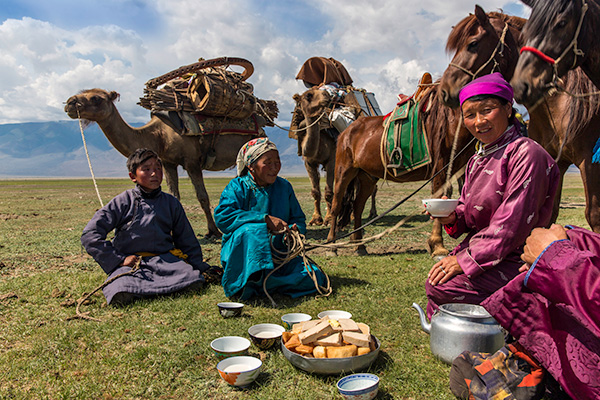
(332, 366)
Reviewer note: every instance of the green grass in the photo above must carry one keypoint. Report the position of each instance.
(160, 348)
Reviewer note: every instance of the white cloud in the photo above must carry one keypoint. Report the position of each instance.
(385, 44)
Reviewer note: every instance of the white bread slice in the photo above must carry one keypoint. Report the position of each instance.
(316, 332)
(358, 339)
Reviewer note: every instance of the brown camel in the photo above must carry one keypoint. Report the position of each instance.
(174, 149)
(560, 120)
(358, 159)
(317, 147)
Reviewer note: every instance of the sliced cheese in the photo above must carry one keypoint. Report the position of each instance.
(359, 339)
(331, 340)
(316, 332)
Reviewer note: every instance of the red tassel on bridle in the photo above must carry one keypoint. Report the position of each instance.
(538, 53)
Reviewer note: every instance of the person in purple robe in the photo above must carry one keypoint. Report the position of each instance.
(553, 307)
(509, 189)
(151, 228)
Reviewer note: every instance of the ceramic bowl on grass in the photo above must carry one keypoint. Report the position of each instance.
(230, 346)
(358, 386)
(265, 336)
(439, 207)
(230, 309)
(336, 314)
(239, 371)
(293, 318)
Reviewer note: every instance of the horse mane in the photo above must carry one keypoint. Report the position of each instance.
(582, 110)
(438, 118)
(468, 26)
(545, 11)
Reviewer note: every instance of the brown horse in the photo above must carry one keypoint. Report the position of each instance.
(483, 42)
(560, 35)
(358, 160)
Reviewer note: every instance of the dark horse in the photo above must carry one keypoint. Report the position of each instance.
(560, 35)
(358, 160)
(558, 121)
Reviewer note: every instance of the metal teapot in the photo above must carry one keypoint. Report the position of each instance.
(457, 327)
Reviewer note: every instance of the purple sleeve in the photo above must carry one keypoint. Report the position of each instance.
(566, 274)
(530, 184)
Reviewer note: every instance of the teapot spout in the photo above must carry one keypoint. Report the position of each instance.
(425, 325)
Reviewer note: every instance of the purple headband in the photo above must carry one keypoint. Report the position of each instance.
(488, 84)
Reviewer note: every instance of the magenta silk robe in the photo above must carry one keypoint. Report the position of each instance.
(554, 312)
(506, 194)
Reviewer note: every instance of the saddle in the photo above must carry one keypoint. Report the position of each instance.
(404, 136)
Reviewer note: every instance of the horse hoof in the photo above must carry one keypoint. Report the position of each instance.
(439, 257)
(316, 221)
(331, 253)
(213, 235)
(361, 251)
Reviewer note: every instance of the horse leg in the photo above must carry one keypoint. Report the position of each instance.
(329, 175)
(344, 177)
(589, 174)
(363, 192)
(373, 212)
(315, 181)
(202, 196)
(172, 179)
(562, 168)
(436, 241)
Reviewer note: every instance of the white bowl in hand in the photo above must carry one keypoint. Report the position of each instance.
(439, 208)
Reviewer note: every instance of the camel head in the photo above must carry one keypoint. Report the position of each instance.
(92, 104)
(313, 102)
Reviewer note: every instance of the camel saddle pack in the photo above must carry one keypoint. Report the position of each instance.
(206, 98)
(320, 71)
(404, 134)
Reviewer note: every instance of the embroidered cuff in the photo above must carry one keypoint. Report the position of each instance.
(536, 260)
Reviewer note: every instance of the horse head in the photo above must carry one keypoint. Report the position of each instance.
(482, 43)
(556, 39)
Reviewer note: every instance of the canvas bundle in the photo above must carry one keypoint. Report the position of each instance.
(214, 92)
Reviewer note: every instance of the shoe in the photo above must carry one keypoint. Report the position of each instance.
(213, 275)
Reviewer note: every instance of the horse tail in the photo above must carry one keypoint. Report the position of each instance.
(347, 208)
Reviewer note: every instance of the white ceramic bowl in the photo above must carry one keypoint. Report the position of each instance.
(336, 314)
(228, 309)
(358, 386)
(265, 336)
(439, 207)
(293, 318)
(230, 346)
(239, 371)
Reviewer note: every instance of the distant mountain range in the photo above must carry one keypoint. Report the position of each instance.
(55, 149)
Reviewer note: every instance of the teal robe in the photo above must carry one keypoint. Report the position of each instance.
(246, 250)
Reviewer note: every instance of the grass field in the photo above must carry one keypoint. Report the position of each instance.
(160, 348)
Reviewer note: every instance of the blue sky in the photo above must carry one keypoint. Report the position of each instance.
(53, 49)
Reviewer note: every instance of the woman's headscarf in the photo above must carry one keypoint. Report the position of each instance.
(251, 152)
(493, 84)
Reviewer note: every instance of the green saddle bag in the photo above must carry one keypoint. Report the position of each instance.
(406, 143)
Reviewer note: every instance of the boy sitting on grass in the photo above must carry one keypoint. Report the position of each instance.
(150, 227)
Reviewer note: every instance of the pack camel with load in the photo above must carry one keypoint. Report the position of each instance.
(202, 114)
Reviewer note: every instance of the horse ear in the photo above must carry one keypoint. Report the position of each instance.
(296, 97)
(114, 96)
(481, 16)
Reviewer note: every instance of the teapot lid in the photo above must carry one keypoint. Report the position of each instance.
(461, 310)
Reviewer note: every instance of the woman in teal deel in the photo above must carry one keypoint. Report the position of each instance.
(254, 206)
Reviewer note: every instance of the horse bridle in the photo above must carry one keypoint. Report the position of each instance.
(576, 51)
(499, 46)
